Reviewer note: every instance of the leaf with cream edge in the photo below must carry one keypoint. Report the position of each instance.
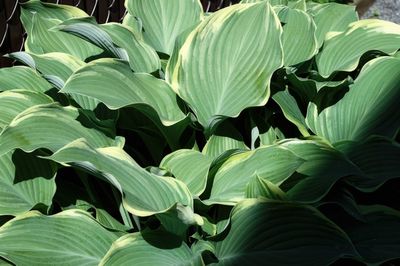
(13, 102)
(52, 127)
(370, 107)
(55, 67)
(298, 38)
(272, 163)
(243, 41)
(150, 248)
(24, 78)
(113, 83)
(143, 193)
(272, 2)
(281, 233)
(189, 166)
(25, 181)
(343, 51)
(38, 18)
(163, 20)
(118, 40)
(217, 145)
(331, 17)
(69, 237)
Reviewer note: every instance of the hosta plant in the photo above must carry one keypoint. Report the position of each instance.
(262, 134)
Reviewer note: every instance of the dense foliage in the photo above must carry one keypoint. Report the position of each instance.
(264, 133)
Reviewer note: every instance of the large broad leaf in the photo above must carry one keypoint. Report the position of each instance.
(14, 102)
(343, 51)
(118, 40)
(20, 77)
(189, 166)
(331, 17)
(272, 163)
(370, 107)
(143, 193)
(243, 42)
(150, 248)
(25, 181)
(38, 18)
(163, 20)
(281, 233)
(112, 82)
(55, 67)
(51, 127)
(298, 38)
(377, 239)
(322, 168)
(70, 237)
(377, 158)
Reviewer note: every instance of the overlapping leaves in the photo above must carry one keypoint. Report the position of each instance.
(156, 141)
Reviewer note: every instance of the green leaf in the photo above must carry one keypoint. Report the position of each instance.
(272, 2)
(370, 107)
(377, 158)
(378, 239)
(38, 18)
(108, 221)
(121, 87)
(281, 233)
(144, 194)
(189, 166)
(164, 21)
(55, 67)
(48, 10)
(69, 237)
(297, 4)
(298, 38)
(178, 219)
(118, 40)
(259, 187)
(291, 110)
(150, 248)
(308, 89)
(217, 145)
(272, 163)
(246, 64)
(271, 136)
(25, 181)
(343, 51)
(13, 102)
(331, 17)
(20, 77)
(323, 166)
(342, 197)
(49, 126)
(134, 23)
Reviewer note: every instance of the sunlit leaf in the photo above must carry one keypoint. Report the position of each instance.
(370, 107)
(69, 237)
(245, 66)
